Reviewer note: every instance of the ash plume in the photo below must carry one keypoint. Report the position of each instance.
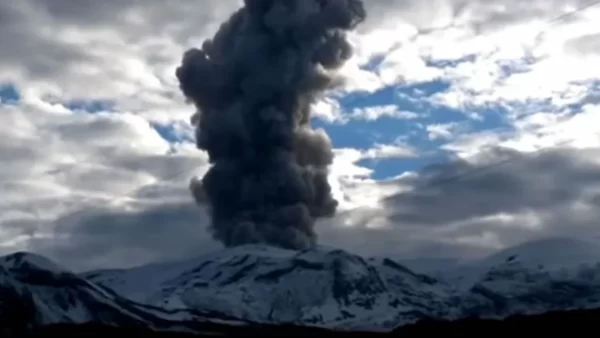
(253, 84)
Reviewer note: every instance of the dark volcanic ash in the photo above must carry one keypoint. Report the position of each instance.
(253, 84)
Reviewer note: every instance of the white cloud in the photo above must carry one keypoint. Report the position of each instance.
(388, 151)
(330, 110)
(57, 162)
(499, 33)
(126, 51)
(352, 183)
(375, 112)
(327, 109)
(535, 132)
(441, 130)
(357, 79)
(548, 67)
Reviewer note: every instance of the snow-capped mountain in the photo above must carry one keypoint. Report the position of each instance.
(552, 253)
(515, 288)
(558, 256)
(35, 292)
(544, 275)
(335, 289)
(323, 287)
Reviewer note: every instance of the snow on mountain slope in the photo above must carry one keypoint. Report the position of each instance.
(550, 253)
(556, 255)
(138, 283)
(335, 289)
(516, 288)
(38, 292)
(430, 266)
(30, 261)
(322, 287)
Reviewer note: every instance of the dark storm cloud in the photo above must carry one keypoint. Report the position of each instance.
(253, 85)
(95, 238)
(543, 183)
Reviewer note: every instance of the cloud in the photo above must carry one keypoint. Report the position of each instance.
(441, 130)
(110, 188)
(524, 196)
(124, 51)
(458, 209)
(373, 113)
(406, 39)
(387, 151)
(114, 237)
(59, 163)
(535, 132)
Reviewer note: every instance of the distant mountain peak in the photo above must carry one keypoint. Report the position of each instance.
(23, 259)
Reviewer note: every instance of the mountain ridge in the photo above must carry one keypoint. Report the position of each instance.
(257, 285)
(343, 287)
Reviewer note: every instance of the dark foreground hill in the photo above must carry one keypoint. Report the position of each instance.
(555, 323)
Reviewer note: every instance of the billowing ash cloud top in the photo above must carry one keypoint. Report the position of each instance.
(253, 84)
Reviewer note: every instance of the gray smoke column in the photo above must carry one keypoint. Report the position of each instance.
(253, 84)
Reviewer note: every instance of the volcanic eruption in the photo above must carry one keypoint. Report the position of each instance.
(253, 85)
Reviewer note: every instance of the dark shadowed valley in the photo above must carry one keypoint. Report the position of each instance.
(549, 323)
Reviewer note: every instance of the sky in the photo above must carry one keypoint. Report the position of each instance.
(463, 127)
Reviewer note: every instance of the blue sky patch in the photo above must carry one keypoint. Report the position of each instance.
(9, 94)
(592, 96)
(174, 132)
(496, 118)
(415, 98)
(406, 97)
(167, 132)
(90, 106)
(388, 168)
